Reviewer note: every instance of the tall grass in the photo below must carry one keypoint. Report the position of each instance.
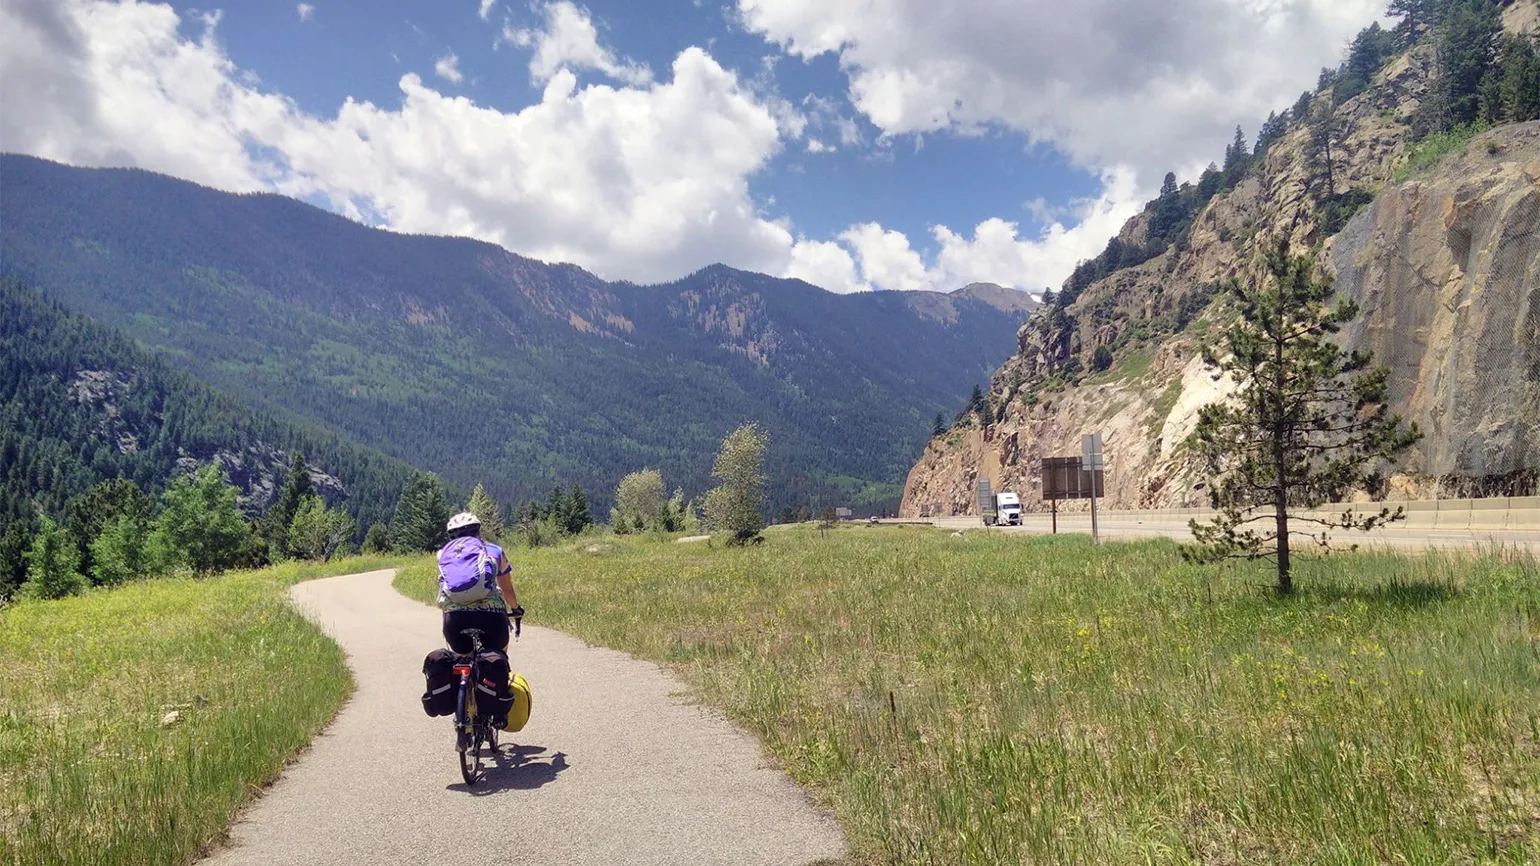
(994, 700)
(89, 774)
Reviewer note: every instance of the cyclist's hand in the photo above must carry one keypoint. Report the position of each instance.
(517, 613)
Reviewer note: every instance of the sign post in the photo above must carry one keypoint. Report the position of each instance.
(1069, 478)
(1092, 459)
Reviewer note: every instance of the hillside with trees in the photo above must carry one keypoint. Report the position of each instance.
(485, 367)
(81, 405)
(1407, 173)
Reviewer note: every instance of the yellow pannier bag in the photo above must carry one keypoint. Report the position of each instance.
(518, 717)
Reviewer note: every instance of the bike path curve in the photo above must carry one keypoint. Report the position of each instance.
(615, 766)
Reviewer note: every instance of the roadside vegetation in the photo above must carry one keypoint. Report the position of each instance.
(135, 721)
(986, 699)
(1432, 150)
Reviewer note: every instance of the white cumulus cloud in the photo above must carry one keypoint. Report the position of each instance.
(306, 11)
(569, 40)
(485, 9)
(448, 68)
(826, 264)
(1153, 85)
(645, 180)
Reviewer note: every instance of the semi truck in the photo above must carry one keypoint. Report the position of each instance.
(1007, 509)
(998, 509)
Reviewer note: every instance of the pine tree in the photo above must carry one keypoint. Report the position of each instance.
(976, 400)
(1323, 131)
(52, 565)
(486, 508)
(376, 540)
(1301, 109)
(1272, 129)
(1210, 183)
(296, 486)
(1237, 158)
(1166, 221)
(1365, 57)
(579, 515)
(1467, 41)
(557, 508)
(15, 541)
(1511, 89)
(421, 513)
(938, 428)
(1417, 14)
(1307, 423)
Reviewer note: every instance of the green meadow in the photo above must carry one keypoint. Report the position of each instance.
(986, 699)
(95, 769)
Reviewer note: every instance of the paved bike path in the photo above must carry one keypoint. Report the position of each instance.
(613, 768)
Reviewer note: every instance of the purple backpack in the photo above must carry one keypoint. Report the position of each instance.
(466, 571)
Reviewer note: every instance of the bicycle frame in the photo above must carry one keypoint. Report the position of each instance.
(471, 728)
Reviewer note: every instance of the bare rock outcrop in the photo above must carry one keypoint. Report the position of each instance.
(1446, 269)
(1445, 266)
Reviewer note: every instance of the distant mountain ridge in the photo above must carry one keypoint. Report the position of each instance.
(461, 357)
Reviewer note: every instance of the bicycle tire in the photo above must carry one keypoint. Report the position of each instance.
(466, 741)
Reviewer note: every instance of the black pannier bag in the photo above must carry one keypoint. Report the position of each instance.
(494, 692)
(438, 669)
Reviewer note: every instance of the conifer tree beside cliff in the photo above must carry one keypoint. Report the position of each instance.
(1306, 424)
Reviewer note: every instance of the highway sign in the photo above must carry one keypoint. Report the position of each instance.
(1067, 478)
(1091, 451)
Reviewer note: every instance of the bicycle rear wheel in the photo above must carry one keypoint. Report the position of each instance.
(467, 743)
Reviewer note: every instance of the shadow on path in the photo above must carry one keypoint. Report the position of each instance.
(513, 769)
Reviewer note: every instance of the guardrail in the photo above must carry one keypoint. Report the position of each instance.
(1517, 513)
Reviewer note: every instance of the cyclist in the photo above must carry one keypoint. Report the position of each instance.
(491, 611)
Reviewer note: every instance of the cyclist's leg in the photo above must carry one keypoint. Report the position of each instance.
(494, 628)
(454, 622)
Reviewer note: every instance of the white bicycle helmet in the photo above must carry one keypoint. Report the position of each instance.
(462, 520)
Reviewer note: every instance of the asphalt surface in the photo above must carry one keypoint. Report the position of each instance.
(615, 767)
(1158, 525)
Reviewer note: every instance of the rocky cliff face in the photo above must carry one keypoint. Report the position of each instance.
(258, 470)
(1446, 268)
(1445, 265)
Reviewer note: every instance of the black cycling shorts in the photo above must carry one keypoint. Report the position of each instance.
(493, 625)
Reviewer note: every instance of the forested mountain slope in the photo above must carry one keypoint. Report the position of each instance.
(463, 358)
(80, 403)
(1413, 173)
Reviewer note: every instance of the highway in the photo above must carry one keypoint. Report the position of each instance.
(1411, 534)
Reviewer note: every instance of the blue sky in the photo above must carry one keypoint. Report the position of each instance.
(361, 49)
(859, 144)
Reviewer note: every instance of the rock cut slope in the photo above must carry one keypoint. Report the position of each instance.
(1445, 264)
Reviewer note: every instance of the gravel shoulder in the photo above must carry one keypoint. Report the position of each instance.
(615, 766)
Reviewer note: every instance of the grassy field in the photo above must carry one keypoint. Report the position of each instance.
(993, 700)
(88, 772)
